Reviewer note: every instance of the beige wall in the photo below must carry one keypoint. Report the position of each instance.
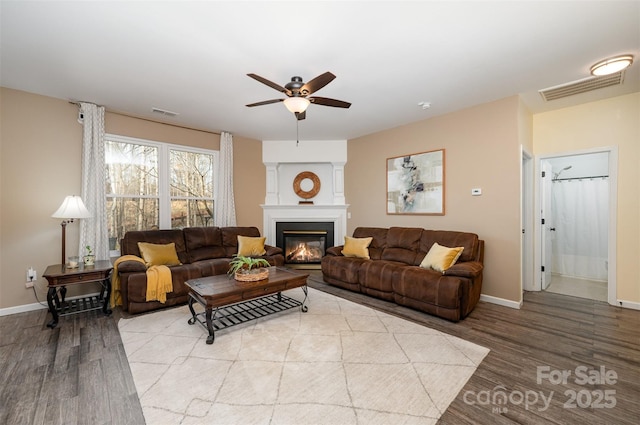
(40, 157)
(40, 153)
(611, 122)
(482, 150)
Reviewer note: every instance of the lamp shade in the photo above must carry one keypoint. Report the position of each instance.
(296, 104)
(72, 207)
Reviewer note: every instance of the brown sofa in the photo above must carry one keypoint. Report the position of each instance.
(203, 251)
(393, 272)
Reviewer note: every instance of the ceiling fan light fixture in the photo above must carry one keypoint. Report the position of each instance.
(296, 104)
(612, 65)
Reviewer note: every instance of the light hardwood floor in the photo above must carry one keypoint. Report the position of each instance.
(576, 287)
(78, 373)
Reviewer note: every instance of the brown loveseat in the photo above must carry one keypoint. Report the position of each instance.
(203, 251)
(393, 272)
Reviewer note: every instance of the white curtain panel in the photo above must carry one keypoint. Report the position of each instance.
(93, 231)
(225, 209)
(581, 216)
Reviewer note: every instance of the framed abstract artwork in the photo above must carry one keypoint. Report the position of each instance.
(415, 183)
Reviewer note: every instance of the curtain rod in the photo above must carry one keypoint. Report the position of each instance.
(151, 120)
(580, 178)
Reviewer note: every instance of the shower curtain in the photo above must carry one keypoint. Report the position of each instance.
(580, 210)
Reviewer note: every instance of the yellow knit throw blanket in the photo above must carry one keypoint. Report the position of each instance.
(159, 282)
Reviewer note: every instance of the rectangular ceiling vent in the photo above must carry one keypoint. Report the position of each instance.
(164, 112)
(582, 86)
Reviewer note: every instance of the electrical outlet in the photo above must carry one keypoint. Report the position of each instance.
(31, 275)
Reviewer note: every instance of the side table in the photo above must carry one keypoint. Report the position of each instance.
(59, 276)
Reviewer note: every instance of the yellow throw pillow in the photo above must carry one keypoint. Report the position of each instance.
(440, 258)
(356, 247)
(248, 246)
(159, 255)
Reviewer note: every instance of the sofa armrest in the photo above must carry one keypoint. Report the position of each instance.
(131, 267)
(335, 250)
(470, 269)
(272, 250)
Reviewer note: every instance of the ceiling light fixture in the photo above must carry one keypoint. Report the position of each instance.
(612, 65)
(296, 104)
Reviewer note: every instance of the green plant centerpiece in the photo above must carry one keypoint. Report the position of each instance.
(247, 269)
(89, 259)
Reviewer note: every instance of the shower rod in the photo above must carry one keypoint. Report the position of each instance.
(581, 178)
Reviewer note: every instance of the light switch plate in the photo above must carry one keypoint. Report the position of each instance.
(476, 192)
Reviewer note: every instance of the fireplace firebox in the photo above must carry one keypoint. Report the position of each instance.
(304, 243)
(304, 247)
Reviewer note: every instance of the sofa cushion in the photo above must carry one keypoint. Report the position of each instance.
(129, 243)
(378, 242)
(251, 246)
(403, 245)
(155, 254)
(356, 247)
(428, 286)
(440, 258)
(137, 283)
(213, 266)
(230, 238)
(203, 243)
(469, 241)
(376, 278)
(344, 269)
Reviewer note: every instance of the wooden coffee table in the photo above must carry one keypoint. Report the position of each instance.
(228, 302)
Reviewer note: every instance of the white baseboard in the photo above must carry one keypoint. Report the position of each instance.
(35, 306)
(513, 304)
(501, 301)
(22, 309)
(628, 304)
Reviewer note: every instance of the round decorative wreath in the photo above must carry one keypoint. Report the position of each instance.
(304, 193)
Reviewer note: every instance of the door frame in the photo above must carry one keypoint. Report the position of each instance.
(546, 249)
(526, 207)
(613, 217)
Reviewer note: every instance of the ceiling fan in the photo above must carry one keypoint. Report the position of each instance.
(297, 92)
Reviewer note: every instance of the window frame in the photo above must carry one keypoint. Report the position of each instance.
(164, 175)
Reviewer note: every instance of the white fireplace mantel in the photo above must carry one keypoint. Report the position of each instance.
(284, 160)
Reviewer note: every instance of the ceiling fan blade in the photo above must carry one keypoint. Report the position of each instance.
(317, 83)
(329, 102)
(301, 115)
(265, 102)
(270, 84)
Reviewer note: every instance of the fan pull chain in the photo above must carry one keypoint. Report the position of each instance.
(297, 137)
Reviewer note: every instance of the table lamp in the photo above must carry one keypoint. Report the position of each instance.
(72, 208)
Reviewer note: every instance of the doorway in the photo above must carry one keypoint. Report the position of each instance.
(577, 225)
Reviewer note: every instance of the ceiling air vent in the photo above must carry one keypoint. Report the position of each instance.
(582, 86)
(164, 112)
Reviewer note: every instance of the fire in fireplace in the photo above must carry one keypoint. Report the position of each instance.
(304, 243)
(304, 247)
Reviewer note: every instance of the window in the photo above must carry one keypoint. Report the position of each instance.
(152, 185)
(191, 188)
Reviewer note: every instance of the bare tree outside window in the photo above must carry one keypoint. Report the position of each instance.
(191, 189)
(134, 187)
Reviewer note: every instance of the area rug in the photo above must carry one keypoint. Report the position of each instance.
(339, 363)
